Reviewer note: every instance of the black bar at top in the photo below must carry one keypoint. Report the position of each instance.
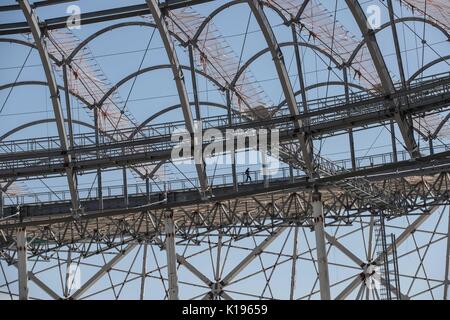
(90, 17)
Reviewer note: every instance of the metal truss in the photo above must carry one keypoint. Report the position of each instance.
(368, 227)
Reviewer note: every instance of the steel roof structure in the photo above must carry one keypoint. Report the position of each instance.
(351, 220)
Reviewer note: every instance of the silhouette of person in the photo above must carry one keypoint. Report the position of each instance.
(247, 174)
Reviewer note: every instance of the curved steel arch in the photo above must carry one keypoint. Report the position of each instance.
(28, 44)
(228, 5)
(43, 83)
(427, 66)
(42, 121)
(171, 108)
(82, 123)
(149, 69)
(284, 44)
(387, 25)
(113, 27)
(276, 10)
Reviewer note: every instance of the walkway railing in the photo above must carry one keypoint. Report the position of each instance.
(216, 181)
(322, 110)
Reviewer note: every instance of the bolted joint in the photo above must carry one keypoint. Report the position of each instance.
(77, 212)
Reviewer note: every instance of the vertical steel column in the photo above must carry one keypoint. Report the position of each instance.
(147, 188)
(264, 169)
(350, 131)
(198, 115)
(430, 144)
(125, 186)
(400, 68)
(22, 263)
(387, 273)
(398, 293)
(68, 107)
(1, 201)
(447, 260)
(294, 263)
(99, 170)
(143, 271)
(171, 254)
(393, 141)
(299, 67)
(233, 155)
(319, 232)
(291, 172)
(68, 284)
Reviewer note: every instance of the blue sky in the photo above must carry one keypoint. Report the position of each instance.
(120, 52)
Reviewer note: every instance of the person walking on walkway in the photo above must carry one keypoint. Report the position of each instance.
(247, 174)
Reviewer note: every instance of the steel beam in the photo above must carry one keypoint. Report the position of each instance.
(125, 186)
(383, 72)
(179, 81)
(43, 286)
(349, 289)
(143, 271)
(181, 260)
(98, 16)
(198, 116)
(277, 55)
(68, 107)
(99, 170)
(233, 154)
(68, 278)
(298, 61)
(447, 260)
(22, 263)
(398, 52)
(251, 256)
(333, 241)
(350, 130)
(100, 273)
(322, 260)
(294, 264)
(55, 98)
(1, 201)
(171, 255)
